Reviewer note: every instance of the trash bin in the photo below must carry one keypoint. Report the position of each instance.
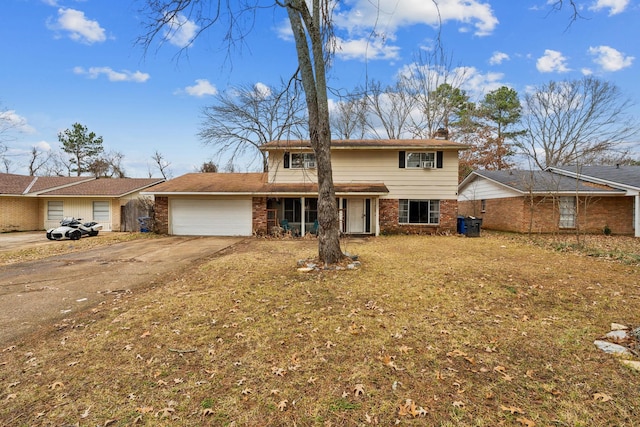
(144, 222)
(461, 225)
(472, 226)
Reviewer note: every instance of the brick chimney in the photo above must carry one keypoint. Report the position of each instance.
(441, 133)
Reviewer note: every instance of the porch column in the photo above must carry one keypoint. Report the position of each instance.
(636, 216)
(376, 211)
(302, 216)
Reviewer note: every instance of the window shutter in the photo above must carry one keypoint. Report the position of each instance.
(286, 159)
(401, 155)
(439, 155)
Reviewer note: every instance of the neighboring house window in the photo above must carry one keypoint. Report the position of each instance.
(421, 160)
(101, 211)
(54, 210)
(483, 205)
(419, 211)
(300, 160)
(567, 205)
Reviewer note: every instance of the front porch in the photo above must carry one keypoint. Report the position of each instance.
(299, 215)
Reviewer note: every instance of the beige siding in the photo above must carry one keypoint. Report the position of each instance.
(362, 166)
(83, 208)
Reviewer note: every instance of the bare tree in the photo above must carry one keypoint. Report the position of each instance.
(570, 121)
(208, 167)
(37, 160)
(161, 164)
(389, 109)
(311, 25)
(349, 117)
(426, 79)
(244, 118)
(109, 165)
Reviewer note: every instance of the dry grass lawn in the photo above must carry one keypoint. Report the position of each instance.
(437, 331)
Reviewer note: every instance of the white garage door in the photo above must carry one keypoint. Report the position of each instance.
(217, 217)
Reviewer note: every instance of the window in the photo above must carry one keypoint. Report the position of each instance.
(421, 160)
(101, 211)
(303, 161)
(54, 211)
(310, 210)
(483, 205)
(292, 210)
(567, 207)
(419, 211)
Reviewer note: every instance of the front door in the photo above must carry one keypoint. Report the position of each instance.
(356, 216)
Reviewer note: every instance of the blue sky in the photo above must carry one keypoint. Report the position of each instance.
(66, 61)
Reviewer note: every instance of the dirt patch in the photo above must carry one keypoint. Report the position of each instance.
(46, 290)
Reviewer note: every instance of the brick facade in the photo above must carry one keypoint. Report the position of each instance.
(259, 207)
(521, 214)
(19, 214)
(161, 215)
(389, 211)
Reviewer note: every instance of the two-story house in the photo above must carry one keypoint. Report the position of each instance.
(381, 186)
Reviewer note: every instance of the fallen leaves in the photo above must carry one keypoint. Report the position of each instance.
(410, 409)
(602, 397)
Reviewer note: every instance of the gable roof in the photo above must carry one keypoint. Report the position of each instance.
(12, 184)
(620, 176)
(249, 183)
(372, 144)
(105, 187)
(539, 182)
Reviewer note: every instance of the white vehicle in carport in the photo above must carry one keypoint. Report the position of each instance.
(73, 229)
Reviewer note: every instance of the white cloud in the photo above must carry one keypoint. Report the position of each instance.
(610, 59)
(42, 146)
(200, 89)
(262, 89)
(498, 58)
(387, 16)
(10, 120)
(181, 31)
(551, 61)
(364, 48)
(614, 6)
(78, 26)
(112, 75)
(477, 84)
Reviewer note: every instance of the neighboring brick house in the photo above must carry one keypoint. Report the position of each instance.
(554, 200)
(382, 186)
(30, 203)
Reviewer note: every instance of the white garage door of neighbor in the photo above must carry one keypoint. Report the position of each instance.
(220, 217)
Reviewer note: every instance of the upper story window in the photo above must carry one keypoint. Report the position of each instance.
(421, 160)
(300, 160)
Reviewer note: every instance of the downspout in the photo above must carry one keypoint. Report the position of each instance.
(637, 215)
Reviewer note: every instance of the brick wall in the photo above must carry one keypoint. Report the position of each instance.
(19, 214)
(514, 214)
(259, 206)
(389, 210)
(161, 215)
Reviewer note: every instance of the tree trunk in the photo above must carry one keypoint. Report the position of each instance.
(307, 28)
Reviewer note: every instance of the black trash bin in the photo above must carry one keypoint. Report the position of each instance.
(472, 226)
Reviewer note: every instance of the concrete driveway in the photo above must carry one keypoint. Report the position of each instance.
(44, 291)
